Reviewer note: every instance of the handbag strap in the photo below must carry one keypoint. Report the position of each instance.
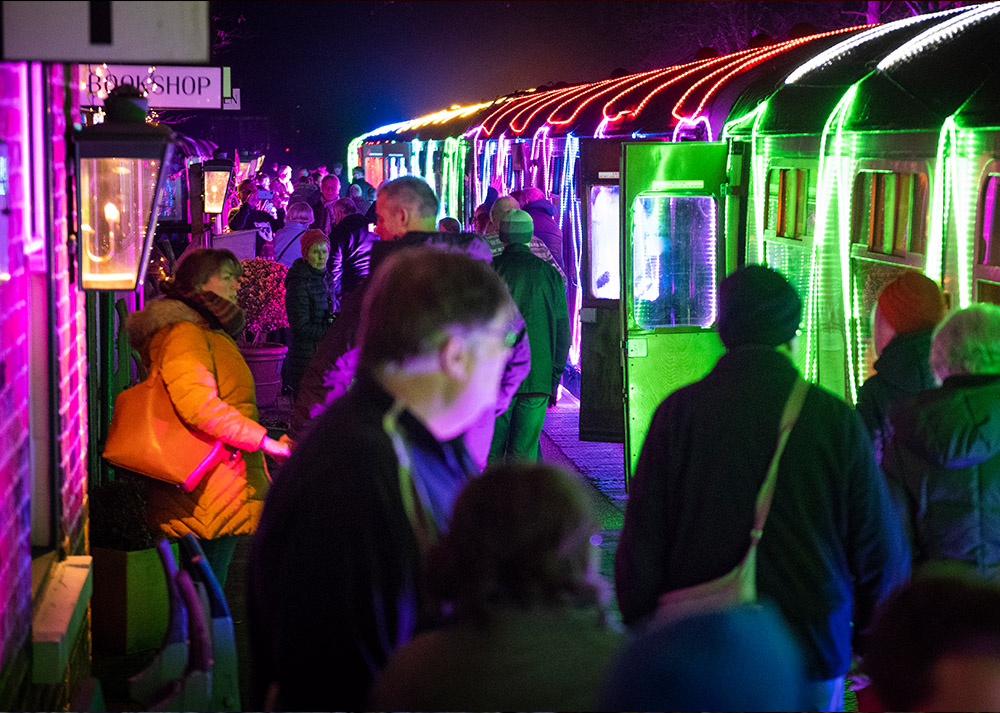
(289, 244)
(788, 417)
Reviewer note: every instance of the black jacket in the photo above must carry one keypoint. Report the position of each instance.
(901, 372)
(833, 547)
(350, 253)
(945, 451)
(310, 312)
(335, 564)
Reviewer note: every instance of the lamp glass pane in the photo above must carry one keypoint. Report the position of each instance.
(116, 197)
(215, 190)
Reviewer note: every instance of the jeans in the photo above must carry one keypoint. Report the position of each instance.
(518, 429)
(219, 553)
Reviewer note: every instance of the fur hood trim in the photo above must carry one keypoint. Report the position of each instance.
(156, 315)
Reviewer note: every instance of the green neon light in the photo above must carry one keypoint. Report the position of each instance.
(966, 174)
(453, 177)
(416, 147)
(843, 166)
(354, 154)
(758, 166)
(939, 202)
(743, 125)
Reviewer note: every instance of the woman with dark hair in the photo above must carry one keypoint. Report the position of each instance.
(188, 334)
(517, 574)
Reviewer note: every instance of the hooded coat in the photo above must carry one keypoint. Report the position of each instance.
(212, 389)
(902, 371)
(945, 451)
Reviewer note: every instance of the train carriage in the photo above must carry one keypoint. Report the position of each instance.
(838, 158)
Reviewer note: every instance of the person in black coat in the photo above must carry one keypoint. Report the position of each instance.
(309, 304)
(908, 309)
(833, 546)
(350, 247)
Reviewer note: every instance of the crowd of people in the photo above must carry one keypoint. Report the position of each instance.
(412, 553)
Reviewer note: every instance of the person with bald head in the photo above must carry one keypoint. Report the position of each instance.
(405, 205)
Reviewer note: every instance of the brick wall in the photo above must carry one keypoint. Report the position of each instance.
(16, 399)
(15, 518)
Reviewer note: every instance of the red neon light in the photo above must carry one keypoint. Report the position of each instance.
(510, 106)
(615, 83)
(550, 98)
(768, 53)
(694, 67)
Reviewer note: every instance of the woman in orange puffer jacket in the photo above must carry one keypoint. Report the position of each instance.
(189, 335)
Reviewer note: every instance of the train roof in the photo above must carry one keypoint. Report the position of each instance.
(655, 102)
(928, 78)
(810, 93)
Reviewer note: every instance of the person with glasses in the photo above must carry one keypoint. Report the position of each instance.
(336, 564)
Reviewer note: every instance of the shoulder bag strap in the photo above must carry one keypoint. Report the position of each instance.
(788, 417)
(290, 242)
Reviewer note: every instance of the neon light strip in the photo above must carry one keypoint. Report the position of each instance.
(542, 102)
(937, 34)
(686, 123)
(354, 154)
(831, 54)
(694, 67)
(844, 163)
(514, 106)
(939, 202)
(574, 91)
(749, 63)
(965, 189)
(613, 84)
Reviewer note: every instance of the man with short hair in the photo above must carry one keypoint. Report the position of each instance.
(358, 179)
(538, 292)
(404, 205)
(329, 189)
(832, 547)
(335, 568)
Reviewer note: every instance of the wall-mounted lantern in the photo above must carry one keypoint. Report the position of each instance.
(217, 173)
(120, 178)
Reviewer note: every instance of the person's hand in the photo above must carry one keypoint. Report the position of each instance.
(276, 449)
(553, 399)
(285, 439)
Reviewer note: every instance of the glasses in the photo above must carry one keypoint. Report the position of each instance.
(506, 334)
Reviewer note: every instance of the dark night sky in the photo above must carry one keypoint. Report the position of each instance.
(325, 72)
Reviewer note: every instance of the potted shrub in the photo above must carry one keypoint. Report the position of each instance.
(262, 297)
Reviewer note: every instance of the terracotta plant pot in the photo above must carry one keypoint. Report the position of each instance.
(265, 360)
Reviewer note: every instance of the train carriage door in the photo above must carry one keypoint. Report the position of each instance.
(602, 416)
(673, 257)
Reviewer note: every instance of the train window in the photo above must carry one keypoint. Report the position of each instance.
(889, 212)
(987, 291)
(988, 239)
(673, 260)
(555, 173)
(603, 247)
(373, 169)
(787, 203)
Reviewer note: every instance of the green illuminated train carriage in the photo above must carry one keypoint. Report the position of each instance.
(792, 216)
(840, 159)
(854, 165)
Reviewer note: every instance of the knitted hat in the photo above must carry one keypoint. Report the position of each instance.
(516, 227)
(911, 303)
(757, 306)
(310, 238)
(741, 658)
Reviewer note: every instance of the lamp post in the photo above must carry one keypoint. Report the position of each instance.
(120, 178)
(217, 173)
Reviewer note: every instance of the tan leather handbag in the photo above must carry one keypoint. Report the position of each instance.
(147, 436)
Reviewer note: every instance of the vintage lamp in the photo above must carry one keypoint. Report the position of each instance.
(120, 176)
(217, 173)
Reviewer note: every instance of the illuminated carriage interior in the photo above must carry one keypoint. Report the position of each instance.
(871, 150)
